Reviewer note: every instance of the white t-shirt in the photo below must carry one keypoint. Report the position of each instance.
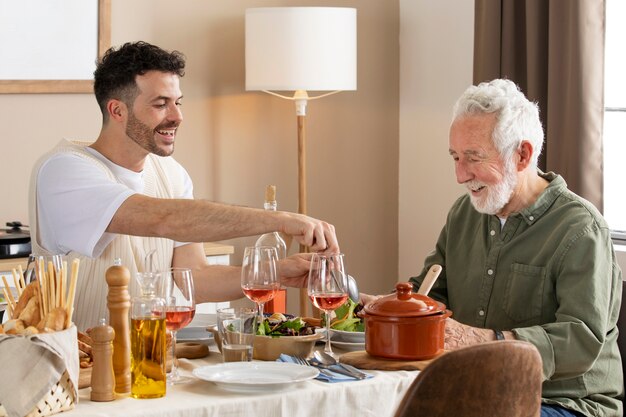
(77, 201)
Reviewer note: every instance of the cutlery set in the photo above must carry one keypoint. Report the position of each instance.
(327, 369)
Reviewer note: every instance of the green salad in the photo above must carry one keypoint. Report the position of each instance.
(346, 318)
(280, 325)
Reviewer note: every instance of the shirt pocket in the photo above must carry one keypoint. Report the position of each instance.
(523, 294)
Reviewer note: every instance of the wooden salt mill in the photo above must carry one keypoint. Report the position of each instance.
(102, 376)
(118, 302)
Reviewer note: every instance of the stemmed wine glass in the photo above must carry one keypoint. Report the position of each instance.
(327, 287)
(259, 276)
(180, 307)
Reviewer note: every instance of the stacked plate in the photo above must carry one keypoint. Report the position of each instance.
(347, 340)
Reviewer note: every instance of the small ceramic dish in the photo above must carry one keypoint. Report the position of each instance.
(348, 337)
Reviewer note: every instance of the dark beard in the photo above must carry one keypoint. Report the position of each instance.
(143, 136)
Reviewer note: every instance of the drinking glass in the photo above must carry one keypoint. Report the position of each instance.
(327, 287)
(236, 327)
(180, 307)
(259, 278)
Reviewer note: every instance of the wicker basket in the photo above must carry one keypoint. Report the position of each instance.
(59, 398)
(62, 349)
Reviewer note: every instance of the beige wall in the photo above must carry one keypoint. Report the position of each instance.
(436, 39)
(235, 142)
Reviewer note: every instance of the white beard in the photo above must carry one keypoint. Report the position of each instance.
(497, 195)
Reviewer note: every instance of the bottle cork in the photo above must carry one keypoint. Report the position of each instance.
(118, 303)
(102, 376)
(270, 193)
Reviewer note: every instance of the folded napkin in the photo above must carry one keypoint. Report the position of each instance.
(32, 365)
(326, 374)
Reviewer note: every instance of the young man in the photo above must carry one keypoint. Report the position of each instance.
(123, 196)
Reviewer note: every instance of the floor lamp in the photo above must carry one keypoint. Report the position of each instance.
(301, 49)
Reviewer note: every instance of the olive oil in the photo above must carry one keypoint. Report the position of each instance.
(148, 357)
(148, 352)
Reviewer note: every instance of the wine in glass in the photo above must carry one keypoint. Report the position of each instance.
(180, 307)
(327, 287)
(259, 276)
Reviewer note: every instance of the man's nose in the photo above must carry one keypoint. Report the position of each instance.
(175, 114)
(462, 173)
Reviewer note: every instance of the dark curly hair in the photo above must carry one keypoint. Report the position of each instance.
(114, 77)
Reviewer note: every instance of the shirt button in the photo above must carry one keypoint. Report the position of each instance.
(531, 218)
(490, 271)
(493, 232)
(481, 313)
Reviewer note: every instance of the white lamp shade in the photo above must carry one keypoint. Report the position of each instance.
(301, 48)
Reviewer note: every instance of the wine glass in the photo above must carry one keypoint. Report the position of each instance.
(180, 307)
(327, 287)
(259, 277)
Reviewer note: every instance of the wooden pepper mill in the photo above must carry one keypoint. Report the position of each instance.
(102, 376)
(118, 302)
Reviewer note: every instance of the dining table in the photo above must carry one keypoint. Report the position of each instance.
(377, 396)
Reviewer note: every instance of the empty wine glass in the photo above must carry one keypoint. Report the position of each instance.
(327, 287)
(180, 307)
(259, 277)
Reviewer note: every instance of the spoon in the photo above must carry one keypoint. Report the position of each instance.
(353, 289)
(327, 360)
(429, 279)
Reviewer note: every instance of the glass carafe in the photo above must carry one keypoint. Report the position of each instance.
(148, 339)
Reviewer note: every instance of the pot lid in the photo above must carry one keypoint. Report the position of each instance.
(404, 303)
(14, 232)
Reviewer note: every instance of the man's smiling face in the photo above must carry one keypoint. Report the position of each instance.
(490, 181)
(155, 114)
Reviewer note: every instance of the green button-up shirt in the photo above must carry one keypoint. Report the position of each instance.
(549, 275)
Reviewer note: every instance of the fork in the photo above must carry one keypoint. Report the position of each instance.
(303, 361)
(328, 370)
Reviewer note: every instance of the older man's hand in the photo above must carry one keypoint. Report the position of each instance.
(458, 335)
(294, 270)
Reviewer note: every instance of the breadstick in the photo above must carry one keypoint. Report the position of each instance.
(6, 286)
(16, 282)
(10, 307)
(57, 290)
(43, 285)
(72, 292)
(52, 285)
(22, 281)
(63, 284)
(40, 299)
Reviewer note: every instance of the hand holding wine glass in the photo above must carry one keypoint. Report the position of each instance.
(180, 310)
(327, 287)
(259, 277)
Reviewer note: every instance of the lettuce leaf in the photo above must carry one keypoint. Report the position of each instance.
(346, 318)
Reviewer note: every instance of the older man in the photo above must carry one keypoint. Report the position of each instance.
(525, 258)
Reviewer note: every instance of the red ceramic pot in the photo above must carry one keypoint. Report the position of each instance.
(405, 325)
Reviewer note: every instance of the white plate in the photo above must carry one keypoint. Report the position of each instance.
(194, 334)
(343, 336)
(348, 345)
(255, 376)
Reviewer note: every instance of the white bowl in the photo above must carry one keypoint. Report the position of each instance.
(349, 337)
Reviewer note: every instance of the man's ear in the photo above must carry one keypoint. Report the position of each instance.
(117, 110)
(525, 154)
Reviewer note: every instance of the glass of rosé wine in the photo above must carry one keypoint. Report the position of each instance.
(259, 275)
(327, 287)
(180, 307)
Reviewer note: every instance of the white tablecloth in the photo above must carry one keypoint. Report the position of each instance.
(376, 397)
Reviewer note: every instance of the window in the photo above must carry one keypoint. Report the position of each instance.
(615, 118)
